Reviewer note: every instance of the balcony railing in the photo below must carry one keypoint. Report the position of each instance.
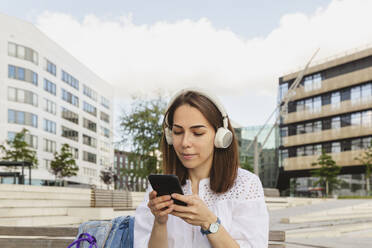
(304, 162)
(327, 135)
(329, 110)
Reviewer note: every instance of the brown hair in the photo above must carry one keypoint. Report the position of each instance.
(225, 161)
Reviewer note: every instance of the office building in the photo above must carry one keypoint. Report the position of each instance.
(46, 90)
(331, 110)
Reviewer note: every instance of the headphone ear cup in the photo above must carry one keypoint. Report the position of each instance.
(223, 138)
(168, 136)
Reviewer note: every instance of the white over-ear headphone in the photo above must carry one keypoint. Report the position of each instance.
(223, 136)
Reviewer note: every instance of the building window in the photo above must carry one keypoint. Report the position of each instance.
(51, 68)
(336, 122)
(89, 108)
(22, 96)
(104, 117)
(367, 118)
(336, 147)
(284, 132)
(70, 80)
(70, 134)
(50, 106)
(23, 52)
(366, 92)
(50, 87)
(335, 99)
(49, 146)
(47, 163)
(105, 102)
(90, 141)
(312, 82)
(23, 118)
(89, 157)
(283, 89)
(90, 125)
(70, 98)
(89, 92)
(105, 132)
(30, 139)
(70, 116)
(22, 74)
(50, 126)
(75, 152)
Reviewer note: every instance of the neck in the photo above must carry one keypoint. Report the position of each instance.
(197, 174)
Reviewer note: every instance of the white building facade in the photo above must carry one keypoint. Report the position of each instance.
(47, 91)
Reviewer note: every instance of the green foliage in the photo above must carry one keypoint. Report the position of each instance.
(19, 150)
(141, 129)
(108, 177)
(64, 164)
(327, 173)
(247, 164)
(365, 159)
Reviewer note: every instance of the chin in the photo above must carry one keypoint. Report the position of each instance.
(189, 164)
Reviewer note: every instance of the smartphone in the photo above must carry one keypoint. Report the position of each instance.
(166, 185)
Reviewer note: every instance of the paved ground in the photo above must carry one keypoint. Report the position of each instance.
(348, 239)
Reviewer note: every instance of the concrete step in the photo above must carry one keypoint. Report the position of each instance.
(40, 221)
(33, 188)
(43, 195)
(17, 203)
(305, 219)
(329, 231)
(21, 212)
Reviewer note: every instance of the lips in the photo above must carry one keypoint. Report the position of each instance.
(188, 156)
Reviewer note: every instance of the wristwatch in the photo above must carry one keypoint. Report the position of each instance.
(213, 228)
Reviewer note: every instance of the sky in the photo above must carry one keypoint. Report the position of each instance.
(236, 50)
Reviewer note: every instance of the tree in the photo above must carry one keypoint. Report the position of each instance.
(19, 149)
(64, 164)
(365, 159)
(327, 172)
(108, 176)
(247, 163)
(141, 128)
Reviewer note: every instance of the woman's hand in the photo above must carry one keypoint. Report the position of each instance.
(160, 207)
(196, 213)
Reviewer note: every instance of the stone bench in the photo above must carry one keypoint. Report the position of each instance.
(61, 237)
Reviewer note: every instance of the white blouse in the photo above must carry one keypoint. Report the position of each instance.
(242, 211)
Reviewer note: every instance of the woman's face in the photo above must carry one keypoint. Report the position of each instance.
(193, 137)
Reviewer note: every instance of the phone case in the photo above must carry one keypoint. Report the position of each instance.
(166, 185)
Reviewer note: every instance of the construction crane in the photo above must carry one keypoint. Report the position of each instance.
(283, 110)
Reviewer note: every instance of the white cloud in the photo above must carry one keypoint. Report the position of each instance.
(187, 53)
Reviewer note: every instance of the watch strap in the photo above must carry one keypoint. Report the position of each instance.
(206, 232)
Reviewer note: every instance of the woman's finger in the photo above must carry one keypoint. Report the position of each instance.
(183, 215)
(163, 205)
(160, 199)
(188, 199)
(167, 211)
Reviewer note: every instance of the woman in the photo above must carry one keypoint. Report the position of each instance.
(225, 204)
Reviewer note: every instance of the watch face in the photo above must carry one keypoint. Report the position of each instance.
(213, 228)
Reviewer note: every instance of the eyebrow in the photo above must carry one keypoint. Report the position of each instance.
(192, 127)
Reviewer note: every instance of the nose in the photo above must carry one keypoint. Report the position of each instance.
(186, 139)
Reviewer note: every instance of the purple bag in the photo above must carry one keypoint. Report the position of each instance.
(91, 239)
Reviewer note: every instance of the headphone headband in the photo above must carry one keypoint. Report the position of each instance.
(210, 97)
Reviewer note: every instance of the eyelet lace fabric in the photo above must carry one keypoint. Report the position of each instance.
(247, 186)
(242, 211)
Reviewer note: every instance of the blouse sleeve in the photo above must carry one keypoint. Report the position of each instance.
(250, 222)
(143, 223)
